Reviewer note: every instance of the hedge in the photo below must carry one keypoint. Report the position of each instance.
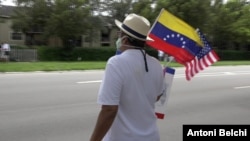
(103, 53)
(233, 55)
(80, 54)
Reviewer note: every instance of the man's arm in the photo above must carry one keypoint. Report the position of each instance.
(104, 121)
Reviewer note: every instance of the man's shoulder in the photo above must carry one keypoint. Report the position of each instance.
(113, 59)
(117, 60)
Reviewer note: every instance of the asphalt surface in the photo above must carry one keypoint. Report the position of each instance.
(61, 106)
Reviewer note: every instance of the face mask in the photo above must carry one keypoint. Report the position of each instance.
(119, 45)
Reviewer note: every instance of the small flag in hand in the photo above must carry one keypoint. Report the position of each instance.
(160, 105)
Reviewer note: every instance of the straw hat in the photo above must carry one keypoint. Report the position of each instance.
(135, 26)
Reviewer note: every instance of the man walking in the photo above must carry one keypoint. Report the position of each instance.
(132, 83)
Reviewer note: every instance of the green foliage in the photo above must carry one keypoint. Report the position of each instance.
(233, 55)
(80, 54)
(93, 54)
(103, 53)
(67, 19)
(49, 53)
(144, 8)
(230, 24)
(77, 54)
(31, 16)
(118, 9)
(226, 25)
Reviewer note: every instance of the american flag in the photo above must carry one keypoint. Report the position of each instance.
(204, 58)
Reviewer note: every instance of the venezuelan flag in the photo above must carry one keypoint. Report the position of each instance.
(175, 37)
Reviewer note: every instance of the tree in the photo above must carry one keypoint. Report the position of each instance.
(239, 28)
(120, 10)
(225, 24)
(31, 17)
(68, 20)
(230, 27)
(105, 12)
(145, 8)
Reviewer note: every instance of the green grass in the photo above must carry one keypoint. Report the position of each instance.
(219, 63)
(231, 63)
(66, 66)
(49, 66)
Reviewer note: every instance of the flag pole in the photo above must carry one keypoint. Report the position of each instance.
(156, 20)
(171, 58)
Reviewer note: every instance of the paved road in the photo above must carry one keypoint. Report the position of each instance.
(61, 106)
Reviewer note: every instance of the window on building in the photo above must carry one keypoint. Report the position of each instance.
(105, 37)
(16, 36)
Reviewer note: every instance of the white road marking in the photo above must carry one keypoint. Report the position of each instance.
(242, 87)
(201, 74)
(88, 82)
(183, 76)
(229, 73)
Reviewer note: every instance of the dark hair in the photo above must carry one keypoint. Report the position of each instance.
(134, 42)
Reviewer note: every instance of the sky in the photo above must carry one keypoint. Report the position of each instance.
(8, 2)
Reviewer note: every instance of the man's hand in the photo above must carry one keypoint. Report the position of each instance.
(104, 121)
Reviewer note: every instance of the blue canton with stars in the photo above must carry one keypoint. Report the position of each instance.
(206, 49)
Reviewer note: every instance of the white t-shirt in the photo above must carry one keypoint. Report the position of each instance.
(127, 84)
(6, 47)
